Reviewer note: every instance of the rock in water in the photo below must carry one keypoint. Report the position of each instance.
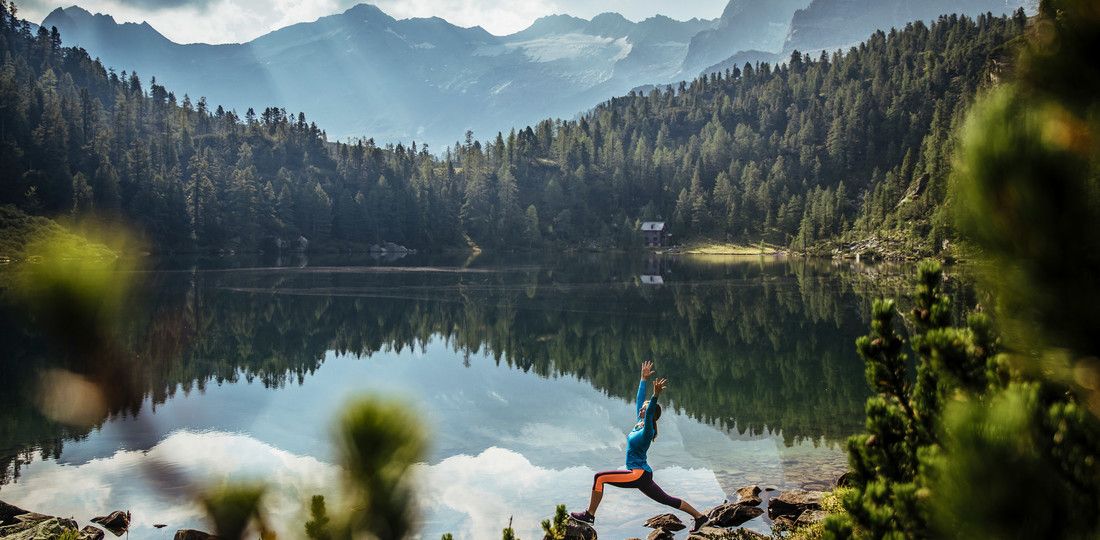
(91, 533)
(748, 492)
(192, 534)
(117, 522)
(749, 495)
(718, 533)
(668, 522)
(792, 503)
(732, 514)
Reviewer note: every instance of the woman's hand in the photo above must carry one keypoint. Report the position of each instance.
(659, 386)
(647, 370)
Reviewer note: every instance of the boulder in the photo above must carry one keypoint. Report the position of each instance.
(668, 522)
(748, 491)
(792, 503)
(719, 533)
(117, 522)
(749, 495)
(578, 530)
(732, 514)
(810, 517)
(847, 479)
(91, 533)
(9, 512)
(783, 523)
(192, 534)
(37, 527)
(661, 534)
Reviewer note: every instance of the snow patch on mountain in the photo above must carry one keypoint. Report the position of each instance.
(573, 47)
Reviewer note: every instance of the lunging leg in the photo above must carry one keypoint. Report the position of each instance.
(615, 478)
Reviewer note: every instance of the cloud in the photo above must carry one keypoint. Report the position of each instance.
(155, 5)
(472, 496)
(119, 482)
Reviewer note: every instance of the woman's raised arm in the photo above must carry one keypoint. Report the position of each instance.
(647, 372)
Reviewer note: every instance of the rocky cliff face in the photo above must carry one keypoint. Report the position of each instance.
(745, 25)
(833, 24)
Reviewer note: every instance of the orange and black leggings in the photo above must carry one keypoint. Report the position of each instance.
(636, 478)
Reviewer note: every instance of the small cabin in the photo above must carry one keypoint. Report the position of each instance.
(654, 233)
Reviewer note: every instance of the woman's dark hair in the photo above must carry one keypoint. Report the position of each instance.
(656, 415)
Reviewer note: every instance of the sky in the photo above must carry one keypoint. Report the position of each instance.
(231, 21)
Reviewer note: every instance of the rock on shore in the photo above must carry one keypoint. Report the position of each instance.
(794, 502)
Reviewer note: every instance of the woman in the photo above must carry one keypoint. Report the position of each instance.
(639, 474)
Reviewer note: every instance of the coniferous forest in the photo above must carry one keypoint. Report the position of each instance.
(816, 150)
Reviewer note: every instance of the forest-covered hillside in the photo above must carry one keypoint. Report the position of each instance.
(842, 145)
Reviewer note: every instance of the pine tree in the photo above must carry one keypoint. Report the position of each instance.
(510, 218)
(532, 233)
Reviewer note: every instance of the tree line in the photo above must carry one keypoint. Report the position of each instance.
(845, 144)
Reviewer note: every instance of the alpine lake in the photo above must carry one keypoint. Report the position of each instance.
(523, 370)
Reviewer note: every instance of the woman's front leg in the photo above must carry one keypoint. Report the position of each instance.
(594, 502)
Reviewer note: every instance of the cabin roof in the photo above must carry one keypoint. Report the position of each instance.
(653, 226)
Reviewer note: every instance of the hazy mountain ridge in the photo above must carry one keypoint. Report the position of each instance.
(830, 25)
(363, 72)
(744, 25)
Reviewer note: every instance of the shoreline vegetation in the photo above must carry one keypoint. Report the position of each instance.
(19, 230)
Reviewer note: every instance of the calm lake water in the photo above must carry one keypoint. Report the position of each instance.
(524, 370)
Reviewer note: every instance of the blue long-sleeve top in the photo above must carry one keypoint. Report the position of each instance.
(637, 441)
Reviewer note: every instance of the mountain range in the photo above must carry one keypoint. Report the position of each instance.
(365, 73)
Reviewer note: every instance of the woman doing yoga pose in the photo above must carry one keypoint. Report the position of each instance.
(638, 474)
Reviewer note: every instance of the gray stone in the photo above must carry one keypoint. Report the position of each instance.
(748, 492)
(668, 522)
(660, 534)
(732, 514)
(719, 533)
(37, 527)
(792, 503)
(783, 523)
(810, 517)
(117, 522)
(578, 530)
(91, 533)
(749, 495)
(9, 512)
